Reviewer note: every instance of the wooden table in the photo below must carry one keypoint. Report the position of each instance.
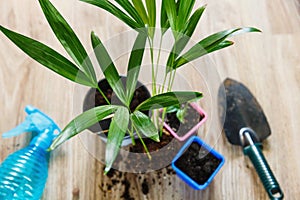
(268, 63)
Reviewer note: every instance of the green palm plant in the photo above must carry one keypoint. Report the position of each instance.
(176, 15)
(141, 16)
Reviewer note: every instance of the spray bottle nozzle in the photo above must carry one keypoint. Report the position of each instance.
(35, 121)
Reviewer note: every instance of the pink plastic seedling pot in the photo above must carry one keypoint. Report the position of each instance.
(192, 130)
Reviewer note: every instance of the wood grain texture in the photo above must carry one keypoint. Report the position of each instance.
(268, 63)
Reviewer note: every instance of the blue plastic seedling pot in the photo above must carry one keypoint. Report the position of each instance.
(184, 176)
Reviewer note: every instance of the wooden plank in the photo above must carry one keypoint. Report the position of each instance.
(267, 63)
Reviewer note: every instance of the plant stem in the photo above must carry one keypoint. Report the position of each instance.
(143, 143)
(169, 83)
(172, 74)
(173, 78)
(172, 71)
(163, 116)
(131, 133)
(152, 67)
(158, 59)
(160, 126)
(164, 82)
(105, 98)
(152, 71)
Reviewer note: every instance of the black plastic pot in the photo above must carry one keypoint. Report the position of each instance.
(93, 99)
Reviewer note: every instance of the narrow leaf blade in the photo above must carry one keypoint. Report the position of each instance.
(144, 125)
(109, 7)
(48, 57)
(193, 21)
(164, 22)
(168, 99)
(210, 44)
(116, 133)
(82, 122)
(126, 5)
(170, 8)
(108, 68)
(180, 44)
(222, 45)
(134, 64)
(184, 11)
(140, 8)
(68, 39)
(201, 52)
(151, 9)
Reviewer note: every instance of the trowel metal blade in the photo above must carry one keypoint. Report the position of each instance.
(242, 110)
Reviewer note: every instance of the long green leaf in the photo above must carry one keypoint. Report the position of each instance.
(108, 68)
(134, 65)
(185, 38)
(170, 8)
(68, 39)
(181, 61)
(48, 57)
(151, 9)
(177, 6)
(164, 22)
(126, 5)
(193, 21)
(209, 44)
(184, 11)
(116, 133)
(222, 45)
(82, 122)
(144, 125)
(168, 99)
(140, 8)
(188, 31)
(109, 7)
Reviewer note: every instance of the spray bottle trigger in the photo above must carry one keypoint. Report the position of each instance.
(25, 126)
(35, 121)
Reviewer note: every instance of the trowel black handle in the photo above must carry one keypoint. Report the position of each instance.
(264, 171)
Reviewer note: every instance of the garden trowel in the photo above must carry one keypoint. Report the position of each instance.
(246, 125)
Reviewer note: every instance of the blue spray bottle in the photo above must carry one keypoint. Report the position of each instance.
(23, 174)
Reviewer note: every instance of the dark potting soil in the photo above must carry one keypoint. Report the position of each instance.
(151, 145)
(161, 153)
(192, 117)
(128, 183)
(145, 187)
(198, 163)
(166, 140)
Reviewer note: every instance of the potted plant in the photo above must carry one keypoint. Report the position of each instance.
(93, 98)
(176, 16)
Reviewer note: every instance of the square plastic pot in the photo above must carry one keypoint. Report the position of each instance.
(193, 130)
(186, 178)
